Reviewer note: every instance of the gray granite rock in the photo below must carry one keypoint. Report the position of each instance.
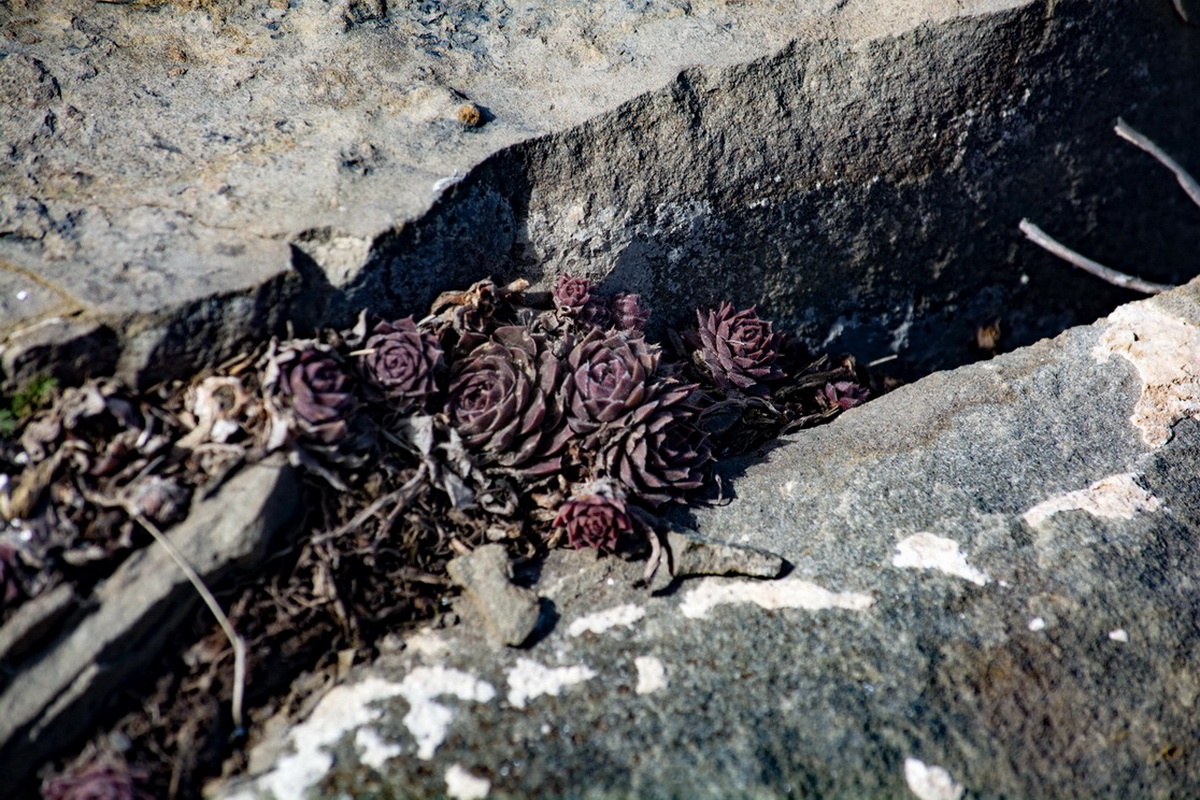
(179, 179)
(50, 696)
(509, 613)
(993, 594)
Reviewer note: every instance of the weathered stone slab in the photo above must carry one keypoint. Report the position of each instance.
(55, 692)
(994, 594)
(187, 178)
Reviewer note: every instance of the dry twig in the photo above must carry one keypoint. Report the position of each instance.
(239, 647)
(1043, 240)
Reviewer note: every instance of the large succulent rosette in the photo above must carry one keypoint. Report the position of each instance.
(660, 454)
(401, 363)
(503, 401)
(317, 389)
(739, 349)
(608, 376)
(595, 516)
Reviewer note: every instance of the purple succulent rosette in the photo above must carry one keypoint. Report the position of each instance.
(595, 516)
(845, 394)
(660, 455)
(571, 295)
(401, 362)
(318, 389)
(608, 375)
(739, 349)
(102, 780)
(503, 401)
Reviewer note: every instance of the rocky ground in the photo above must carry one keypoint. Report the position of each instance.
(977, 585)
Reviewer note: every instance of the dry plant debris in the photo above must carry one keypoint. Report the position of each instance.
(533, 420)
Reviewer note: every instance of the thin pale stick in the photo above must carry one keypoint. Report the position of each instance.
(1041, 239)
(1186, 181)
(239, 647)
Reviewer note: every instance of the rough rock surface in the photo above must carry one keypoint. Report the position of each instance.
(994, 594)
(181, 176)
(509, 612)
(47, 698)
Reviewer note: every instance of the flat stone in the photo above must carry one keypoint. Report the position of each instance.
(993, 593)
(55, 692)
(509, 612)
(190, 180)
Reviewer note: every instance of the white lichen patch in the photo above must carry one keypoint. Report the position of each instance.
(929, 782)
(652, 675)
(926, 551)
(1119, 635)
(785, 593)
(427, 720)
(624, 615)
(1114, 497)
(1165, 351)
(344, 708)
(462, 785)
(372, 749)
(529, 679)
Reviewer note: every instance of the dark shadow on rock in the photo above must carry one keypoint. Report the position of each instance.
(547, 621)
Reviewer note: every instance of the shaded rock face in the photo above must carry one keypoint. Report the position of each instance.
(179, 180)
(993, 594)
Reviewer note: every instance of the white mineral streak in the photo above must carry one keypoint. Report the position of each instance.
(1119, 635)
(372, 749)
(930, 782)
(1165, 351)
(343, 709)
(1037, 624)
(1116, 496)
(785, 593)
(927, 551)
(609, 618)
(428, 721)
(462, 785)
(529, 679)
(652, 675)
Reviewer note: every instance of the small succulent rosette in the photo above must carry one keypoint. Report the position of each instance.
(311, 399)
(737, 349)
(400, 364)
(608, 378)
(660, 454)
(596, 516)
(504, 402)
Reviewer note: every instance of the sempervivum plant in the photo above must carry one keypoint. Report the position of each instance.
(317, 390)
(105, 779)
(503, 401)
(608, 376)
(595, 516)
(571, 295)
(660, 454)
(737, 348)
(628, 312)
(401, 362)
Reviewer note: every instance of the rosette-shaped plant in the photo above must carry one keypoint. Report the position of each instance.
(607, 378)
(106, 779)
(845, 394)
(401, 362)
(595, 516)
(660, 454)
(318, 390)
(739, 349)
(628, 312)
(571, 294)
(503, 401)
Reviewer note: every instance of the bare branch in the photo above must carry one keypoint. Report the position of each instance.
(1041, 239)
(1188, 183)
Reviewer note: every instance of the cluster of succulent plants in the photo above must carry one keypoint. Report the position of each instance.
(535, 419)
(554, 411)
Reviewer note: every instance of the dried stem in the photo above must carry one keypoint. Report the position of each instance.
(1041, 239)
(1186, 181)
(239, 647)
